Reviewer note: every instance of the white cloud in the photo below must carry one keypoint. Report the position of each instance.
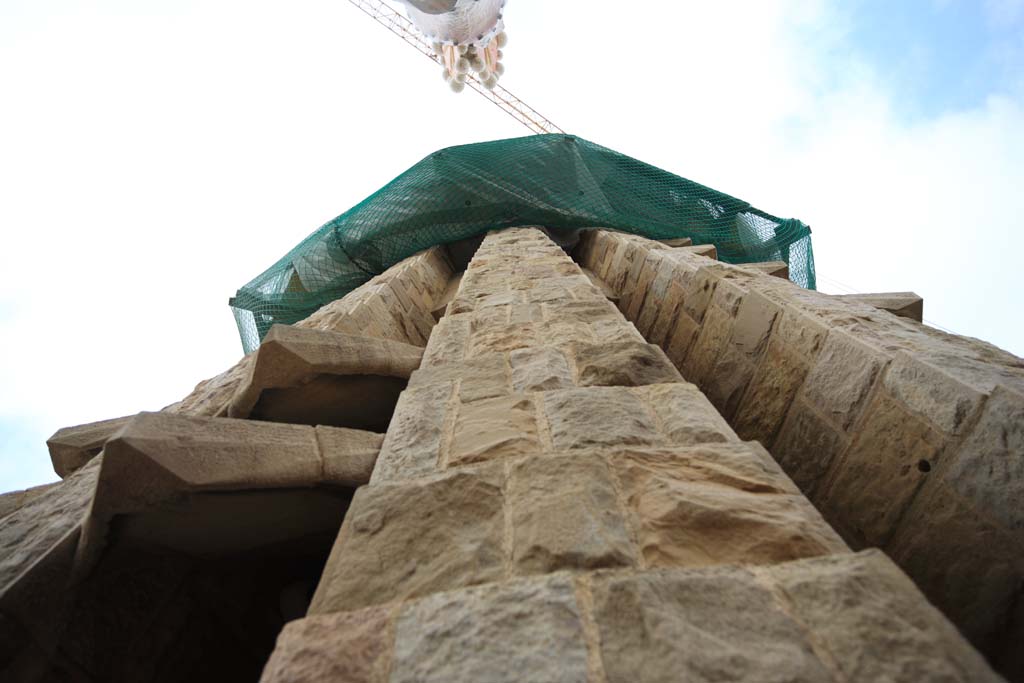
(154, 158)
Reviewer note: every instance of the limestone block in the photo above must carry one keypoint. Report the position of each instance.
(565, 515)
(596, 281)
(412, 445)
(556, 332)
(707, 250)
(415, 538)
(774, 268)
(755, 318)
(680, 338)
(687, 417)
(598, 416)
(315, 377)
(728, 381)
(12, 500)
(840, 380)
(874, 622)
(354, 647)
(525, 630)
(448, 342)
(891, 454)
(989, 467)
(663, 325)
(943, 393)
(637, 290)
(966, 565)
(678, 242)
(502, 338)
(630, 364)
(591, 311)
(807, 446)
(525, 313)
(541, 368)
(710, 625)
(30, 532)
(348, 455)
(71, 447)
(770, 393)
(903, 304)
(485, 376)
(714, 335)
(689, 513)
(495, 428)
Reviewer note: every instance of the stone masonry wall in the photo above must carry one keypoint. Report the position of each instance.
(553, 502)
(904, 437)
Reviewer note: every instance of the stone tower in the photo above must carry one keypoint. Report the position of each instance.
(617, 461)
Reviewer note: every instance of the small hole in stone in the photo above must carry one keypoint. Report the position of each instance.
(924, 466)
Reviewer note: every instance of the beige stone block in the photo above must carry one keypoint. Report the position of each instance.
(664, 324)
(800, 333)
(525, 313)
(778, 269)
(806, 447)
(349, 455)
(601, 285)
(72, 447)
(890, 456)
(942, 393)
(728, 381)
(495, 428)
(540, 368)
(687, 417)
(12, 500)
(565, 515)
(525, 630)
(755, 318)
(636, 291)
(448, 341)
(714, 335)
(622, 364)
(770, 394)
(839, 382)
(485, 376)
(407, 540)
(688, 518)
(680, 339)
(314, 377)
(703, 626)
(502, 338)
(571, 310)
(874, 622)
(557, 332)
(412, 446)
(612, 331)
(706, 250)
(902, 304)
(988, 469)
(348, 646)
(598, 416)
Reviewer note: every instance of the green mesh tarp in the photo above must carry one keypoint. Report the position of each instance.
(558, 181)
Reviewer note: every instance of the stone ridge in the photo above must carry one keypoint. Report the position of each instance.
(907, 438)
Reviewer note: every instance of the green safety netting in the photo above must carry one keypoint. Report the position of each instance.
(559, 181)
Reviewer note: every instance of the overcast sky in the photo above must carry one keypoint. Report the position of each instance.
(156, 155)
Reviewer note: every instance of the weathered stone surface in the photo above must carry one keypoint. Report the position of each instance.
(12, 500)
(840, 380)
(412, 539)
(502, 338)
(71, 447)
(710, 625)
(778, 269)
(966, 565)
(680, 338)
(28, 533)
(933, 391)
(292, 358)
(348, 455)
(728, 381)
(707, 250)
(540, 368)
(903, 304)
(211, 397)
(690, 514)
(354, 647)
(686, 415)
(448, 341)
(598, 416)
(755, 318)
(565, 515)
(770, 394)
(806, 447)
(412, 445)
(526, 630)
(875, 623)
(714, 335)
(890, 456)
(495, 428)
(485, 376)
(629, 364)
(989, 467)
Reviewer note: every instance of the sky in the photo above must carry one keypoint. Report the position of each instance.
(155, 156)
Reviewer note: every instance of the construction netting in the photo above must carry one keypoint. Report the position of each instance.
(558, 181)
